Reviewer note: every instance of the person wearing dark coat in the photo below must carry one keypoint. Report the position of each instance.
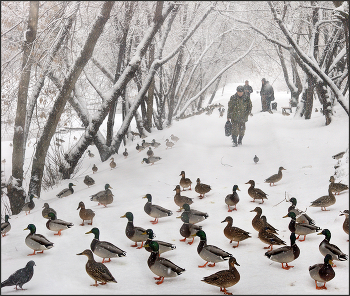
(267, 95)
(247, 89)
(239, 108)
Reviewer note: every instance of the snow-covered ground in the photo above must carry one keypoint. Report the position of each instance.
(303, 147)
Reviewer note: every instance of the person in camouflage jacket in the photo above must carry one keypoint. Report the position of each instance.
(239, 108)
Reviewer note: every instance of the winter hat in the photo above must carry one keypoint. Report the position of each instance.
(240, 88)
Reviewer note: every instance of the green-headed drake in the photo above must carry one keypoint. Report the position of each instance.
(285, 254)
(326, 247)
(155, 211)
(300, 228)
(55, 224)
(301, 217)
(210, 253)
(37, 242)
(30, 205)
(66, 191)
(5, 226)
(104, 249)
(322, 272)
(194, 216)
(163, 246)
(96, 270)
(224, 278)
(134, 233)
(232, 199)
(160, 266)
(46, 210)
(151, 159)
(104, 197)
(188, 230)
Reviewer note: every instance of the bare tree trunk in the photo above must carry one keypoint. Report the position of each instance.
(150, 95)
(215, 90)
(15, 191)
(62, 97)
(121, 57)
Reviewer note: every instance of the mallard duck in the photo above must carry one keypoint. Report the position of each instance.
(174, 138)
(5, 226)
(96, 270)
(112, 164)
(326, 247)
(194, 216)
(85, 214)
(46, 210)
(338, 155)
(160, 266)
(91, 155)
(104, 197)
(134, 233)
(224, 278)
(209, 253)
(185, 182)
(30, 205)
(155, 144)
(256, 159)
(232, 199)
(140, 148)
(145, 144)
(89, 181)
(66, 191)
(322, 272)
(168, 144)
(300, 228)
(163, 246)
(104, 249)
(268, 237)
(301, 217)
(256, 193)
(324, 201)
(151, 160)
(201, 188)
(150, 152)
(337, 187)
(285, 254)
(94, 169)
(346, 221)
(125, 153)
(21, 276)
(276, 177)
(155, 211)
(257, 223)
(37, 242)
(188, 229)
(180, 200)
(55, 224)
(234, 233)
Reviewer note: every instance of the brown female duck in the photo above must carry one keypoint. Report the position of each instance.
(234, 233)
(256, 193)
(185, 182)
(180, 200)
(201, 188)
(276, 177)
(85, 214)
(346, 221)
(267, 237)
(257, 223)
(336, 188)
(324, 201)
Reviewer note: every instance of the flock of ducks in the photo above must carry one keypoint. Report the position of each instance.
(300, 225)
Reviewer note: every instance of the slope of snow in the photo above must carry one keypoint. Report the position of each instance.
(303, 148)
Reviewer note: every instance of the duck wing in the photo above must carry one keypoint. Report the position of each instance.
(217, 251)
(168, 264)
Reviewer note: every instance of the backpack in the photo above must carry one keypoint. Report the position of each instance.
(228, 128)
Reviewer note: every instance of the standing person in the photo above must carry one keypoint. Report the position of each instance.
(247, 89)
(239, 108)
(267, 95)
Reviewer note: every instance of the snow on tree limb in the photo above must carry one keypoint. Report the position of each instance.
(182, 111)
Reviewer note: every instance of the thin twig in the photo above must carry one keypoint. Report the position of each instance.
(224, 163)
(281, 200)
